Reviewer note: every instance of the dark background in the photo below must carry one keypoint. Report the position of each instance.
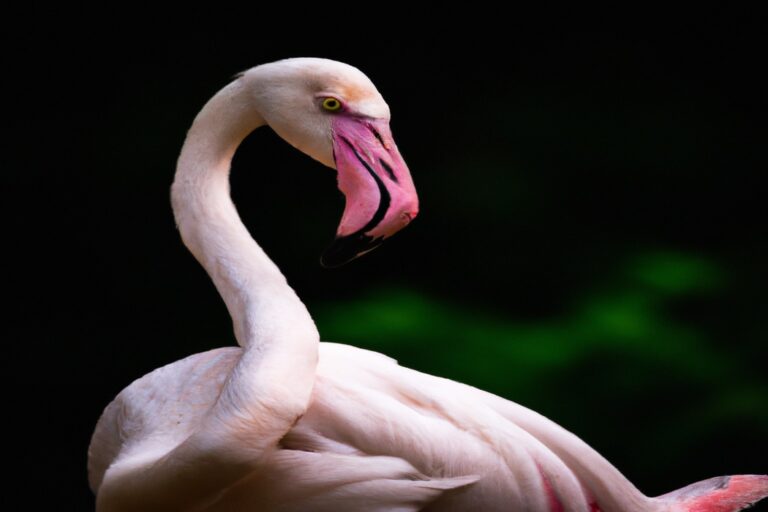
(592, 240)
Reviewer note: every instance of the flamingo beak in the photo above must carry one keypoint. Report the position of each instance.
(380, 196)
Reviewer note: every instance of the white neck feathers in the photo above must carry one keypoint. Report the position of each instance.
(280, 339)
(208, 221)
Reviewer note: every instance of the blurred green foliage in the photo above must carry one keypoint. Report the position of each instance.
(619, 352)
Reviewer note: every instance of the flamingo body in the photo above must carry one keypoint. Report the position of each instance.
(286, 423)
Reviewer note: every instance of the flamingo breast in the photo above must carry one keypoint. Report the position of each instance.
(376, 437)
(374, 427)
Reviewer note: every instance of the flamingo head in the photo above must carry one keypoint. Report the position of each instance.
(333, 112)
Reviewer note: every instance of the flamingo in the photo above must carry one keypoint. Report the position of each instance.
(285, 422)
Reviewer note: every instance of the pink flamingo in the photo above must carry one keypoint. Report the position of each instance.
(287, 423)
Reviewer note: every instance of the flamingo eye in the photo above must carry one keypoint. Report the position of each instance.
(331, 104)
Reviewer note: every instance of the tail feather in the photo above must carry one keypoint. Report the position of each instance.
(720, 494)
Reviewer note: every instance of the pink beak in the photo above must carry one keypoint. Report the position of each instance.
(379, 191)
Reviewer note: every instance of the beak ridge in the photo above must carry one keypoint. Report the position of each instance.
(380, 196)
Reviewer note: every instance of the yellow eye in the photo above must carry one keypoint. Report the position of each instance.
(331, 104)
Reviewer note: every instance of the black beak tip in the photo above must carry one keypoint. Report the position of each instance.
(346, 248)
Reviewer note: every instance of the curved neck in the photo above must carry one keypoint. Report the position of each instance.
(279, 338)
(269, 387)
(210, 227)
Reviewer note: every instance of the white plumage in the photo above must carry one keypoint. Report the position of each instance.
(286, 423)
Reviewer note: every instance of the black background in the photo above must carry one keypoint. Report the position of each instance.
(545, 153)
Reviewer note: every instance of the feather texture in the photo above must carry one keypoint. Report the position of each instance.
(285, 423)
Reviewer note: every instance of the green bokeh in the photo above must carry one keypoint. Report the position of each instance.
(620, 366)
